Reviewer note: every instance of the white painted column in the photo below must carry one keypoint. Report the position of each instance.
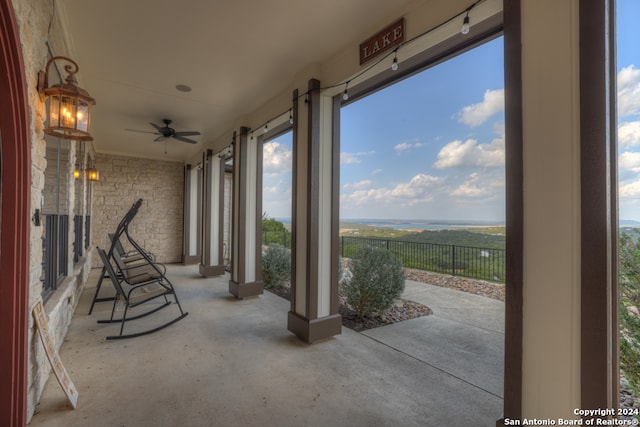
(314, 303)
(246, 280)
(569, 304)
(212, 263)
(192, 215)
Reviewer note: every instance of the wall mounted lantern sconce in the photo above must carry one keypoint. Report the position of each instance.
(69, 105)
(92, 173)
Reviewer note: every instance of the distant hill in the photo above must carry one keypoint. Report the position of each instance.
(361, 230)
(460, 238)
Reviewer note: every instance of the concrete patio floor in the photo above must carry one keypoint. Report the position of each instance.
(233, 363)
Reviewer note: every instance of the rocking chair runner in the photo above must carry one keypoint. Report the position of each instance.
(134, 293)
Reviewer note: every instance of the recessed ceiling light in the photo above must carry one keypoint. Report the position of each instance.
(183, 88)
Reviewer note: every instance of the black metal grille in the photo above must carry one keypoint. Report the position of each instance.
(77, 240)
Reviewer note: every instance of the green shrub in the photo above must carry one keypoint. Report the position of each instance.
(629, 269)
(276, 266)
(376, 280)
(274, 232)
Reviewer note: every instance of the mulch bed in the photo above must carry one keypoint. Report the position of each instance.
(405, 309)
(477, 287)
(402, 310)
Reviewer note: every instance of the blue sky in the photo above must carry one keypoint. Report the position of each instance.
(432, 146)
(629, 108)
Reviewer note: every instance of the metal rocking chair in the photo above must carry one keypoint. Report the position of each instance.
(135, 289)
(115, 245)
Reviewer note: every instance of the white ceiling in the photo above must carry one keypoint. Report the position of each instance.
(235, 54)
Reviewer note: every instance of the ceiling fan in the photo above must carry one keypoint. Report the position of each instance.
(166, 132)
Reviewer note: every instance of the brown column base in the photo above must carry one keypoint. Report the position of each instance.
(245, 290)
(311, 331)
(211, 270)
(190, 259)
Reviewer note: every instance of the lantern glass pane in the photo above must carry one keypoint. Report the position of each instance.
(54, 111)
(68, 112)
(83, 116)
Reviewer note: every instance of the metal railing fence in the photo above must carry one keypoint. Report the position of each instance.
(282, 238)
(464, 261)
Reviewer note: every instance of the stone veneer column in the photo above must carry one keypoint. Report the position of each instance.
(246, 277)
(212, 263)
(316, 177)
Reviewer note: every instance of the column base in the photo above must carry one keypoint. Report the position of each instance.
(190, 259)
(211, 270)
(311, 331)
(245, 290)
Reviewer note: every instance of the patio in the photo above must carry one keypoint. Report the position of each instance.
(233, 363)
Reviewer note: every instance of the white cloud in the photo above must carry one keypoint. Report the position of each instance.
(420, 188)
(358, 185)
(458, 154)
(476, 114)
(629, 91)
(629, 161)
(629, 134)
(406, 146)
(353, 158)
(480, 186)
(276, 197)
(276, 158)
(376, 172)
(629, 190)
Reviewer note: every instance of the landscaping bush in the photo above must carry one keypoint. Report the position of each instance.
(629, 269)
(376, 280)
(276, 266)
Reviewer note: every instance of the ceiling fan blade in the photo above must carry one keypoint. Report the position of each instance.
(188, 133)
(161, 138)
(155, 126)
(180, 138)
(141, 131)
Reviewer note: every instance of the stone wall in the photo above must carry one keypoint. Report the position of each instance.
(41, 35)
(159, 222)
(39, 30)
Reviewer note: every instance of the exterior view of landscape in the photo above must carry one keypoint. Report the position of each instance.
(440, 154)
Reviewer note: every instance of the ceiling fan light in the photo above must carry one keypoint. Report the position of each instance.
(183, 88)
